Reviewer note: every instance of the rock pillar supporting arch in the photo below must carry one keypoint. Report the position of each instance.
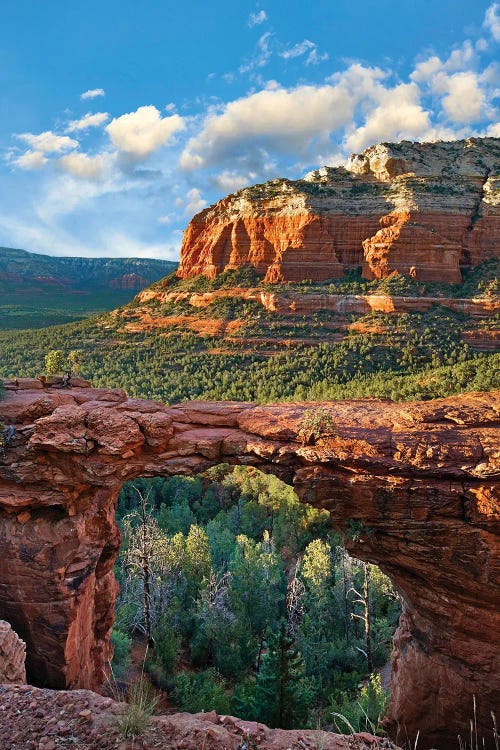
(412, 487)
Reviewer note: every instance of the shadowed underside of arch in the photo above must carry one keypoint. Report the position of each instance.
(412, 487)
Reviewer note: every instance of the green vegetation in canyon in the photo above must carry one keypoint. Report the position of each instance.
(253, 606)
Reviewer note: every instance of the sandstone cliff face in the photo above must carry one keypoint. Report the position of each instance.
(420, 481)
(421, 209)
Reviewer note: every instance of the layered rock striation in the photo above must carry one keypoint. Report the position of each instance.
(302, 304)
(197, 312)
(413, 487)
(423, 209)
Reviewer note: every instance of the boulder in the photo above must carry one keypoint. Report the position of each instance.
(12, 656)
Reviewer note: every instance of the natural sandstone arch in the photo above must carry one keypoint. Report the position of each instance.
(420, 480)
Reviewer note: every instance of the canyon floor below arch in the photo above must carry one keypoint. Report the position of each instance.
(419, 481)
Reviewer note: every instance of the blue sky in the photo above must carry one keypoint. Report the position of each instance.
(119, 120)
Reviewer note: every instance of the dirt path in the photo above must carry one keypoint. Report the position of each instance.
(138, 655)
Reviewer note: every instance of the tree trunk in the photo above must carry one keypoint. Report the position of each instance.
(346, 602)
(368, 627)
(146, 575)
(259, 655)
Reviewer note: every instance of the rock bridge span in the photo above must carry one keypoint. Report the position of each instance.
(420, 480)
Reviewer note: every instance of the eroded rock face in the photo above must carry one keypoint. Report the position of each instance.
(418, 482)
(425, 210)
(303, 304)
(289, 305)
(12, 656)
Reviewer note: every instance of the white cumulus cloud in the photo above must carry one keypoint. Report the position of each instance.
(462, 58)
(462, 92)
(280, 120)
(459, 59)
(398, 116)
(255, 19)
(138, 134)
(83, 166)
(492, 21)
(87, 121)
(92, 94)
(48, 142)
(30, 160)
(464, 100)
(192, 203)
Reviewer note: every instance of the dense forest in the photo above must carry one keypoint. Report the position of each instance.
(250, 603)
(277, 356)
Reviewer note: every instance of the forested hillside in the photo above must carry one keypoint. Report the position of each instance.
(234, 348)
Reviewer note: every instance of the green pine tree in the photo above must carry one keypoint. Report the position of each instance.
(282, 693)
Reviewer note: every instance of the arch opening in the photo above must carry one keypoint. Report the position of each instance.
(213, 567)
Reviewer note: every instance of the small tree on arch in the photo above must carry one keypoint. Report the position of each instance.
(314, 424)
(56, 362)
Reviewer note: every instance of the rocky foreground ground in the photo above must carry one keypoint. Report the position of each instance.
(34, 719)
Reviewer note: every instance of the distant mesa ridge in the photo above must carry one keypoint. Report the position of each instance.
(21, 269)
(427, 210)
